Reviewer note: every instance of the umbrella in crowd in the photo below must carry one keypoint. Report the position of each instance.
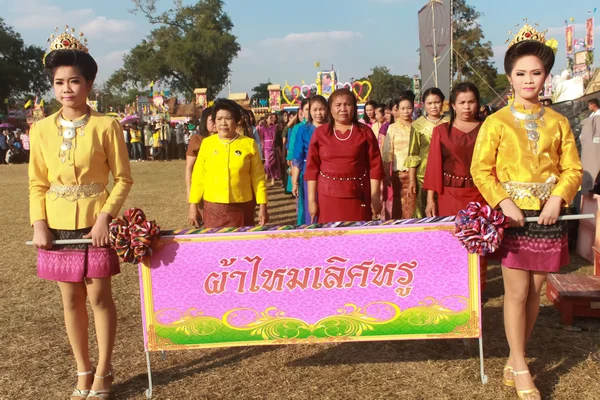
(7, 125)
(130, 119)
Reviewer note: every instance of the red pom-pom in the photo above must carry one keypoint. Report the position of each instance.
(133, 236)
(480, 229)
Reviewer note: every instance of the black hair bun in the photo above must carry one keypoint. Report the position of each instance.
(71, 58)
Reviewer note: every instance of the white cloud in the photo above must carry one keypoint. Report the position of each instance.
(101, 26)
(115, 56)
(40, 14)
(245, 52)
(312, 37)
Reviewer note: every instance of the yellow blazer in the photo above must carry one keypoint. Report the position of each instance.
(99, 151)
(228, 173)
(502, 154)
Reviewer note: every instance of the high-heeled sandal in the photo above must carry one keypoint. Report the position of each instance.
(101, 394)
(527, 394)
(508, 370)
(78, 393)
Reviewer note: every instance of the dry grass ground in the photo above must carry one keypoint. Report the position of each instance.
(36, 362)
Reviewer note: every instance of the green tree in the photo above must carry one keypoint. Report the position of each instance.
(193, 47)
(21, 68)
(261, 91)
(387, 86)
(472, 54)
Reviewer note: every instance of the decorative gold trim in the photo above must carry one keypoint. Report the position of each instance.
(470, 329)
(148, 303)
(449, 228)
(315, 340)
(308, 234)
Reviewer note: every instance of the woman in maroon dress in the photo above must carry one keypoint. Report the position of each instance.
(450, 153)
(449, 164)
(343, 166)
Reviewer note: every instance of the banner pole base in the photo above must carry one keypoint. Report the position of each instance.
(484, 378)
(149, 390)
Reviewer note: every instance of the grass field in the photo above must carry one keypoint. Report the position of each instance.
(36, 361)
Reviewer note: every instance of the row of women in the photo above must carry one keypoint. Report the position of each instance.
(522, 159)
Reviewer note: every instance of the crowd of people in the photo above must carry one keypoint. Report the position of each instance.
(14, 146)
(392, 163)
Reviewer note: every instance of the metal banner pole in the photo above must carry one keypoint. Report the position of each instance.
(484, 378)
(149, 390)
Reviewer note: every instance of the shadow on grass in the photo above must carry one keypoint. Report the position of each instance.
(552, 352)
(138, 384)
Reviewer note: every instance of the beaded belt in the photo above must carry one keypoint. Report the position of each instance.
(529, 191)
(75, 192)
(360, 178)
(462, 178)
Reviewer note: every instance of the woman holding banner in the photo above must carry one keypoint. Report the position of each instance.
(526, 162)
(72, 153)
(228, 175)
(343, 166)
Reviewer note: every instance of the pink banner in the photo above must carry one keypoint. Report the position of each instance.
(569, 40)
(589, 34)
(305, 286)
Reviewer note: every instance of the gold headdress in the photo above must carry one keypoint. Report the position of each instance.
(528, 32)
(66, 41)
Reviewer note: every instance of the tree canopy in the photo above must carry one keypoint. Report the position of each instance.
(261, 91)
(21, 68)
(472, 52)
(387, 86)
(193, 47)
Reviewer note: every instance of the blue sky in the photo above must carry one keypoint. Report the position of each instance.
(281, 40)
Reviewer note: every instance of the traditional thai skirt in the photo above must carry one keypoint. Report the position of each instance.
(535, 247)
(232, 215)
(74, 263)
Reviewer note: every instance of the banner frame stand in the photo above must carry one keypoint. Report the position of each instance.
(144, 269)
(148, 365)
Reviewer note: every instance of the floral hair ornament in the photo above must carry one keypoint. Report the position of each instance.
(66, 41)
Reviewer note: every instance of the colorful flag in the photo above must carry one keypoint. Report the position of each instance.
(28, 104)
(589, 34)
(569, 34)
(318, 64)
(41, 105)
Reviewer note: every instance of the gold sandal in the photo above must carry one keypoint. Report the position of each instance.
(527, 394)
(508, 370)
(79, 393)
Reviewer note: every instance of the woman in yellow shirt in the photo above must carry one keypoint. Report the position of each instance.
(72, 153)
(526, 162)
(228, 175)
(136, 142)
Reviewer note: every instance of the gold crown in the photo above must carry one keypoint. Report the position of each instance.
(66, 41)
(527, 32)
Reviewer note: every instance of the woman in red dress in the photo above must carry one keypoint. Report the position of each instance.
(450, 153)
(343, 166)
(448, 172)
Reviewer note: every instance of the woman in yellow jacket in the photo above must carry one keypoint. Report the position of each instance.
(228, 175)
(72, 153)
